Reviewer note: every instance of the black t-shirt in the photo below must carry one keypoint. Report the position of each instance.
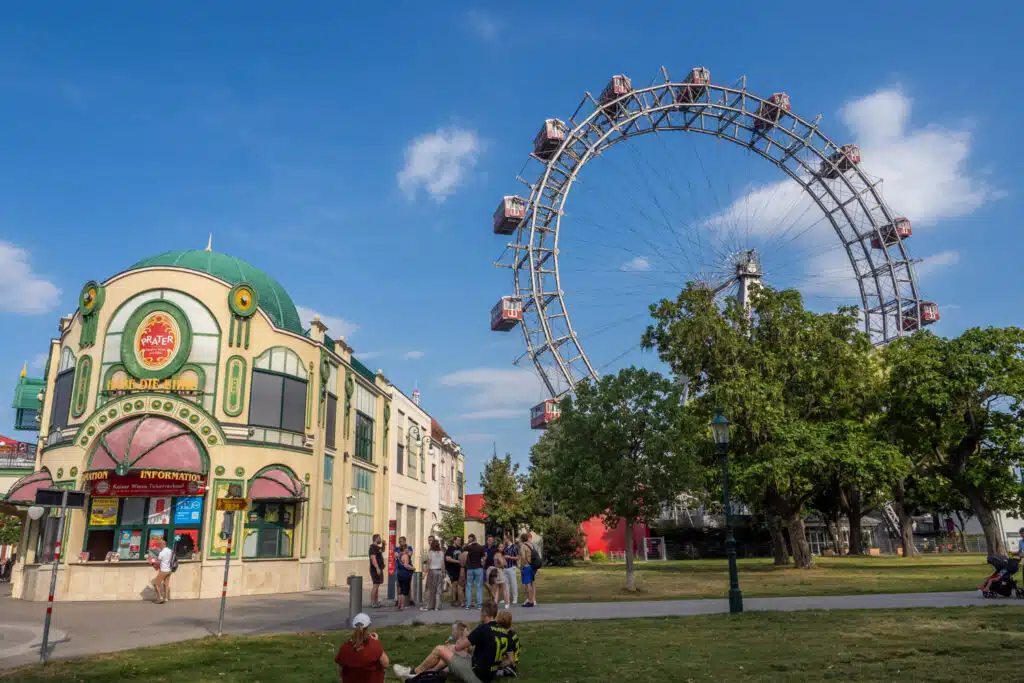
(490, 555)
(490, 643)
(375, 552)
(476, 556)
(452, 569)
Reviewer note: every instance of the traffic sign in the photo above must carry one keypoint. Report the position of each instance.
(232, 504)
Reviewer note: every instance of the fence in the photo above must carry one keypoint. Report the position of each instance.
(18, 461)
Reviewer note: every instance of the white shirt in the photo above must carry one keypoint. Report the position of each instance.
(436, 559)
(164, 557)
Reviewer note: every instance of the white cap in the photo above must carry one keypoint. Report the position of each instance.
(361, 619)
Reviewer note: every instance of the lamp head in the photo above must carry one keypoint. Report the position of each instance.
(720, 429)
(36, 512)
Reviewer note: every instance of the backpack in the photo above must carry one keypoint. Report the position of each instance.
(174, 561)
(536, 561)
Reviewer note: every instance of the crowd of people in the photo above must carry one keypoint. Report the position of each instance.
(464, 571)
(489, 651)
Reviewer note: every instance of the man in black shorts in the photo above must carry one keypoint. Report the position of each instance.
(376, 570)
(489, 641)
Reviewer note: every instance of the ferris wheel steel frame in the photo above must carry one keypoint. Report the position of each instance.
(850, 200)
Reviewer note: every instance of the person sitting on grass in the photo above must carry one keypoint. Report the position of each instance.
(510, 663)
(361, 658)
(486, 641)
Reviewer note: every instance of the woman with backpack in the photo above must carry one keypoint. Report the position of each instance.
(530, 563)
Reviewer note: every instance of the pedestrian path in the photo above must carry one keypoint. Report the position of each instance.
(84, 628)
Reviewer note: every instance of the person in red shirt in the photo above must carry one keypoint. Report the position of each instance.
(361, 658)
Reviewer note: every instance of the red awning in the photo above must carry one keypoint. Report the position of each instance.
(275, 483)
(23, 491)
(148, 443)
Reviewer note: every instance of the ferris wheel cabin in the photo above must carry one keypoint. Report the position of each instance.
(543, 414)
(770, 111)
(842, 160)
(696, 84)
(508, 215)
(929, 313)
(549, 139)
(898, 230)
(506, 313)
(617, 87)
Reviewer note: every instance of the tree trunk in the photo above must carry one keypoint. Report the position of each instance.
(630, 569)
(837, 539)
(779, 550)
(995, 544)
(899, 492)
(802, 557)
(854, 514)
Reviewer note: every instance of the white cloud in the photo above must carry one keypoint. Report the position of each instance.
(496, 393)
(484, 26)
(413, 355)
(438, 162)
(39, 362)
(636, 264)
(930, 264)
(336, 327)
(21, 289)
(830, 274)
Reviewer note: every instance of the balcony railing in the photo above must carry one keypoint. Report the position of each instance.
(17, 462)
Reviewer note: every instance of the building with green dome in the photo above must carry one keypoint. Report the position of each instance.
(187, 379)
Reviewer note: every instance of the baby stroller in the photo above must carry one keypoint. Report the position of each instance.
(1001, 583)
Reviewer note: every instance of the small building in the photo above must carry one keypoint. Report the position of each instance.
(413, 499)
(451, 470)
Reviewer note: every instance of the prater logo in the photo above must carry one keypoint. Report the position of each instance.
(156, 340)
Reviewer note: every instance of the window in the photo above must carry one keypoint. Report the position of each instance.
(278, 395)
(62, 390)
(332, 407)
(269, 530)
(131, 527)
(414, 432)
(433, 472)
(361, 522)
(364, 437)
(401, 459)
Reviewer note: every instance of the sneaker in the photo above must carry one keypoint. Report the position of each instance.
(404, 673)
(424, 609)
(529, 604)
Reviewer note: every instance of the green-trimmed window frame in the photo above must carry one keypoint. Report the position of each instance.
(260, 526)
(280, 420)
(145, 527)
(331, 430)
(364, 437)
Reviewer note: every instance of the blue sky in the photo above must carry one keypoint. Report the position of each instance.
(357, 155)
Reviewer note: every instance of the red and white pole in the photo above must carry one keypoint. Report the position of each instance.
(53, 577)
(227, 566)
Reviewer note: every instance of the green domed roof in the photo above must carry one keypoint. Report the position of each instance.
(274, 301)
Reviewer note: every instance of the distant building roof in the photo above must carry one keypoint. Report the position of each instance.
(475, 506)
(436, 430)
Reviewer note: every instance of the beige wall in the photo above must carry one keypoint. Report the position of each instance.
(304, 570)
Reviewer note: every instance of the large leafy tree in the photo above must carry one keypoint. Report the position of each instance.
(10, 529)
(955, 406)
(509, 501)
(797, 386)
(621, 447)
(452, 524)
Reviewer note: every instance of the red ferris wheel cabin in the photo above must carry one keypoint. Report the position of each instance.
(508, 215)
(840, 161)
(543, 414)
(696, 84)
(549, 139)
(770, 111)
(506, 313)
(929, 313)
(898, 230)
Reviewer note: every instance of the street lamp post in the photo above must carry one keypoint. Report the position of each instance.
(720, 433)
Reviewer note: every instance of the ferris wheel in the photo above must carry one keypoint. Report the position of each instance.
(728, 248)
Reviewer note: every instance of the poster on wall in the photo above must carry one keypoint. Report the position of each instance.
(159, 511)
(392, 540)
(186, 543)
(188, 510)
(129, 544)
(155, 536)
(218, 545)
(104, 512)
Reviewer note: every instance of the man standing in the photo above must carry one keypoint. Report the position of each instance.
(491, 548)
(511, 564)
(454, 568)
(376, 569)
(163, 567)
(474, 554)
(529, 564)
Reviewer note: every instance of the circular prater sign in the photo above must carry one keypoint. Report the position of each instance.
(157, 340)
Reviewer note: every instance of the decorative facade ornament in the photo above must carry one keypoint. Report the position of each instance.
(387, 422)
(350, 389)
(90, 301)
(243, 302)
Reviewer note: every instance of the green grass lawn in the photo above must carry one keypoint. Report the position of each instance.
(595, 582)
(934, 645)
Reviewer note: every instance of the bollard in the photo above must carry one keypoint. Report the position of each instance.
(417, 588)
(355, 596)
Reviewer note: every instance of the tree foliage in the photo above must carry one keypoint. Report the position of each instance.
(10, 529)
(621, 446)
(509, 500)
(452, 524)
(563, 540)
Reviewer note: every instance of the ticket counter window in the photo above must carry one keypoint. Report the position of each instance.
(132, 527)
(269, 530)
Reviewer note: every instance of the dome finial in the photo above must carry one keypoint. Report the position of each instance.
(209, 243)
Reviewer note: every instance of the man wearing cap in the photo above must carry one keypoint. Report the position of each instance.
(361, 658)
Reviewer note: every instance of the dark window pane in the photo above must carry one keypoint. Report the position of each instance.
(265, 400)
(401, 458)
(293, 413)
(100, 543)
(364, 437)
(62, 389)
(269, 542)
(332, 419)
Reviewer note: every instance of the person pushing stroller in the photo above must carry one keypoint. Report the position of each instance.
(1001, 582)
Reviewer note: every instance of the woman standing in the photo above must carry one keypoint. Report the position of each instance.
(435, 577)
(511, 553)
(453, 565)
(361, 658)
(403, 574)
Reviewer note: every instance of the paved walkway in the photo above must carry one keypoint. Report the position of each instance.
(83, 628)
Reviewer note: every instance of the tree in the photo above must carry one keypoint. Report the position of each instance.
(621, 447)
(563, 541)
(10, 529)
(955, 406)
(452, 524)
(794, 384)
(508, 500)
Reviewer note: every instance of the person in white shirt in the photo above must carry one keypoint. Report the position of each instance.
(163, 571)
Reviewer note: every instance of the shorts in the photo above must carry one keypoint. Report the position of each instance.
(462, 668)
(529, 574)
(376, 576)
(405, 586)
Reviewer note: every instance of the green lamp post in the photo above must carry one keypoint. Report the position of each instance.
(720, 433)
